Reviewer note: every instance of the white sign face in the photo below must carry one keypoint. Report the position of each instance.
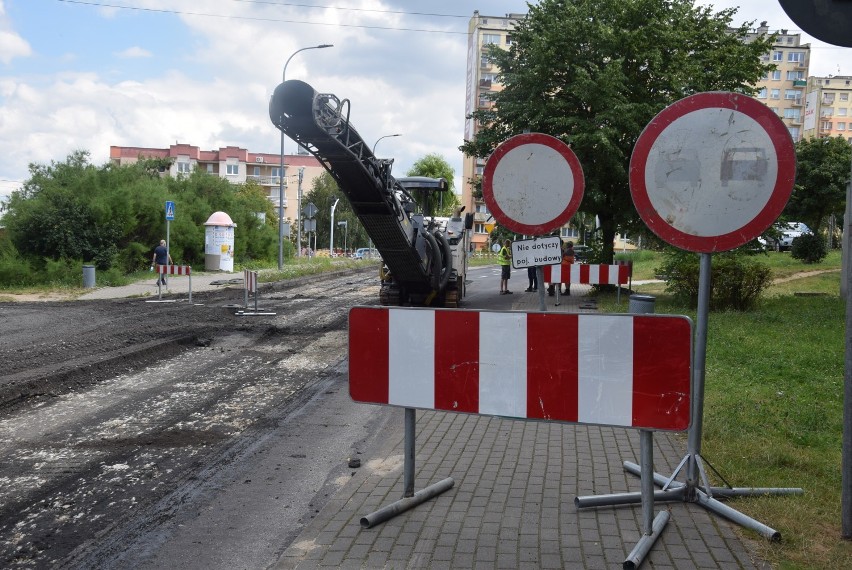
(533, 183)
(712, 171)
(716, 183)
(536, 252)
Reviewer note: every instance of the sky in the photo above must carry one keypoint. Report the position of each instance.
(84, 75)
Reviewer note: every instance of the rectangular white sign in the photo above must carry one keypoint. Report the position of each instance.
(536, 252)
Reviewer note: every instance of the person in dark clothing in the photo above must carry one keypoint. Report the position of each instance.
(568, 257)
(161, 257)
(533, 278)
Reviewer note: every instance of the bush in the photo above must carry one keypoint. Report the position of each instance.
(736, 280)
(808, 248)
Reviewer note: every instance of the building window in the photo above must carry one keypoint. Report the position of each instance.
(792, 94)
(210, 168)
(276, 171)
(183, 167)
(776, 75)
(479, 228)
(484, 61)
(796, 56)
(762, 93)
(827, 112)
(841, 126)
(509, 39)
(844, 96)
(841, 111)
(256, 171)
(480, 170)
(775, 94)
(825, 125)
(569, 233)
(490, 38)
(481, 208)
(828, 98)
(777, 56)
(791, 113)
(795, 75)
(484, 101)
(794, 132)
(232, 169)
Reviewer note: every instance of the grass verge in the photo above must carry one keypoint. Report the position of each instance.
(773, 410)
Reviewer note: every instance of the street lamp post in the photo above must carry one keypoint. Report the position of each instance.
(384, 137)
(331, 239)
(281, 172)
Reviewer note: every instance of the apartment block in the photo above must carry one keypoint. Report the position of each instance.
(828, 107)
(483, 31)
(783, 90)
(236, 165)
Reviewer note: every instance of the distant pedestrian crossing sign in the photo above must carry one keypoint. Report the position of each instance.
(170, 211)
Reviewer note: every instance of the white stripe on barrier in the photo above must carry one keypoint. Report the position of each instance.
(412, 369)
(503, 363)
(605, 384)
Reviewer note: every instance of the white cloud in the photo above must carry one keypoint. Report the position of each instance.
(133, 52)
(12, 45)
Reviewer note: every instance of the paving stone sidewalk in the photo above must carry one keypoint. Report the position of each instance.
(512, 504)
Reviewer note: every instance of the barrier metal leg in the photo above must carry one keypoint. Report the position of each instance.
(409, 499)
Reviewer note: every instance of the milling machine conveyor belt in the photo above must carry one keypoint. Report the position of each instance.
(316, 122)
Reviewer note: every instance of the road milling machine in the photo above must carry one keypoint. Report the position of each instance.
(425, 258)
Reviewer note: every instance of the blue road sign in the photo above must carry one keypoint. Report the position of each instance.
(170, 211)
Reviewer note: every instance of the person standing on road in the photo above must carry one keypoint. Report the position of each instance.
(161, 257)
(568, 258)
(533, 279)
(504, 258)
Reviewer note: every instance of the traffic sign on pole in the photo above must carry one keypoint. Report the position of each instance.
(533, 183)
(170, 211)
(712, 171)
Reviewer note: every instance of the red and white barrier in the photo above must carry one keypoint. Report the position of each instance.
(587, 274)
(175, 270)
(250, 280)
(621, 370)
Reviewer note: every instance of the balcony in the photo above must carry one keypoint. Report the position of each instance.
(485, 83)
(265, 180)
(795, 101)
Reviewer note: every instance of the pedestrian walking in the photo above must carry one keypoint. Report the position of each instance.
(161, 257)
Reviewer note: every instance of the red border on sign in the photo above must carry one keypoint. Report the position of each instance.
(784, 150)
(562, 217)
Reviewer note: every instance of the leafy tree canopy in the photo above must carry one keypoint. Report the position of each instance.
(593, 73)
(436, 166)
(114, 215)
(822, 172)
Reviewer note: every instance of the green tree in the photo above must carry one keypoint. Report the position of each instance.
(323, 194)
(593, 73)
(436, 166)
(822, 172)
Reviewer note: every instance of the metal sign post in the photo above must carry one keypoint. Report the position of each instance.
(710, 173)
(170, 215)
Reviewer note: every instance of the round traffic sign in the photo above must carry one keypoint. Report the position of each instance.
(712, 171)
(533, 183)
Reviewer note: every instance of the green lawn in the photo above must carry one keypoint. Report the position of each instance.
(773, 406)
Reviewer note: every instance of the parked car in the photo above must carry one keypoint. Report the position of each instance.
(789, 232)
(581, 253)
(366, 253)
